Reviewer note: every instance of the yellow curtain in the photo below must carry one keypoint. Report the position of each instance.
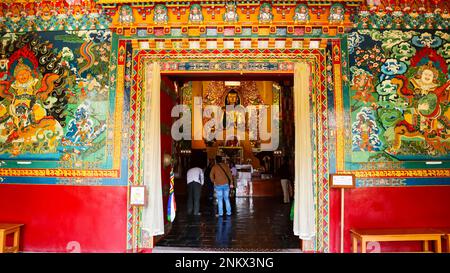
(153, 214)
(304, 214)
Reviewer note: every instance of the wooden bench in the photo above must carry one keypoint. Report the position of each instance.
(6, 229)
(396, 235)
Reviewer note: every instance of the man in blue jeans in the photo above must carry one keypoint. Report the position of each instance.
(221, 176)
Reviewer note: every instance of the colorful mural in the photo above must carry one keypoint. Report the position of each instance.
(411, 14)
(55, 103)
(23, 16)
(32, 88)
(170, 19)
(399, 98)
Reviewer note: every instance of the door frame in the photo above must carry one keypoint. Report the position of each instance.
(228, 61)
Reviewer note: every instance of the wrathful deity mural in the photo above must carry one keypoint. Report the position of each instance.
(399, 96)
(54, 98)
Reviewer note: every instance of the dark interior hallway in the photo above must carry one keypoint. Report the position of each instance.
(258, 223)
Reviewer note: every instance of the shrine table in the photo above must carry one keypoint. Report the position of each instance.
(6, 229)
(394, 235)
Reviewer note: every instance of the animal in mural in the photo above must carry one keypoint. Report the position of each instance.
(301, 14)
(230, 15)
(195, 14)
(265, 13)
(160, 16)
(32, 98)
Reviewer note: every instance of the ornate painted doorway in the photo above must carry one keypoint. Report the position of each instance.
(238, 61)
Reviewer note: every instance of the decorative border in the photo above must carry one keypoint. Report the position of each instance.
(400, 173)
(408, 14)
(140, 17)
(169, 65)
(60, 173)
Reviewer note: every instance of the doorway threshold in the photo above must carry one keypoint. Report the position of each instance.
(166, 249)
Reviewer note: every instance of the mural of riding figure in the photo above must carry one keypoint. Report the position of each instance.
(399, 93)
(427, 116)
(28, 122)
(53, 101)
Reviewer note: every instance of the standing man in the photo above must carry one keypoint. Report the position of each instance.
(221, 176)
(194, 178)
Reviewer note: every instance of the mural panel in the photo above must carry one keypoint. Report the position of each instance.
(56, 108)
(398, 96)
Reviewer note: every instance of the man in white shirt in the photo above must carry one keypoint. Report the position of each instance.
(194, 178)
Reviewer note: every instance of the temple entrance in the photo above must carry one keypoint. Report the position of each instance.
(248, 112)
(159, 87)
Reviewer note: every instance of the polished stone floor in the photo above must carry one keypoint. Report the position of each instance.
(259, 223)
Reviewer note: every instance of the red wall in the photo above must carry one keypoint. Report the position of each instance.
(93, 216)
(389, 207)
